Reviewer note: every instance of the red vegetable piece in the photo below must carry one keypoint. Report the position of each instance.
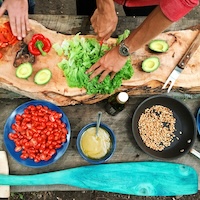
(38, 132)
(39, 45)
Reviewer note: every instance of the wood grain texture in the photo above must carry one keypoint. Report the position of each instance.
(57, 91)
(4, 169)
(72, 24)
(134, 178)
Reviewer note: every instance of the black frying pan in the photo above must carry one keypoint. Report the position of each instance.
(185, 122)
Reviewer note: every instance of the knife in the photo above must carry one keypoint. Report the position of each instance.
(101, 43)
(182, 63)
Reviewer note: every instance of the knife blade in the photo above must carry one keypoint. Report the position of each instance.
(101, 43)
(182, 63)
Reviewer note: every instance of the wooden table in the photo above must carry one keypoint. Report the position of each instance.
(127, 149)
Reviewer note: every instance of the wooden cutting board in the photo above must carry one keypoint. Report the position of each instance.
(57, 91)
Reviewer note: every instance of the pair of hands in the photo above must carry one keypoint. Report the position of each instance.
(18, 16)
(104, 25)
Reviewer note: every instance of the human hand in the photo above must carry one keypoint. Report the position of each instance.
(104, 24)
(110, 63)
(18, 16)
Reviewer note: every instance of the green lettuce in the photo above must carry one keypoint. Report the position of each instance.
(80, 54)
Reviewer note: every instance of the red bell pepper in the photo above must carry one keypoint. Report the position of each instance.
(39, 45)
(6, 36)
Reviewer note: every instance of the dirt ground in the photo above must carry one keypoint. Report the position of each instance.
(89, 195)
(68, 7)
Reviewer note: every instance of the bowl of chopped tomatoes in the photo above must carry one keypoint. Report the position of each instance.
(37, 133)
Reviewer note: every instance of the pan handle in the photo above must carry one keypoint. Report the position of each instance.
(196, 153)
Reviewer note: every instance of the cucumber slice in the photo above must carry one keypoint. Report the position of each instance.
(42, 77)
(24, 70)
(159, 45)
(150, 64)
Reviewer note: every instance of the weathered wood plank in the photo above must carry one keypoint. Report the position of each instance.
(72, 24)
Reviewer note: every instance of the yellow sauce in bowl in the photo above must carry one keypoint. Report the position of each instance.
(95, 146)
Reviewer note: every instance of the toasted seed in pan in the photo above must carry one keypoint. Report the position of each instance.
(156, 127)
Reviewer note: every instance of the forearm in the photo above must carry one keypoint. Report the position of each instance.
(105, 6)
(153, 25)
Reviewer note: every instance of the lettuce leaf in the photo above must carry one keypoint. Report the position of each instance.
(81, 53)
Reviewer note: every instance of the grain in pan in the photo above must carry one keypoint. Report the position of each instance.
(156, 127)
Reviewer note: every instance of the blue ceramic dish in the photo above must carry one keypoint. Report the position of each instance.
(108, 155)
(10, 145)
(198, 121)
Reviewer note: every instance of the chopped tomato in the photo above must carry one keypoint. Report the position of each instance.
(37, 135)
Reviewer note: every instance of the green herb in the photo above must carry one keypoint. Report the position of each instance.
(123, 36)
(81, 53)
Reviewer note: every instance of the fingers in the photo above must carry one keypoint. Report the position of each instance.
(19, 26)
(18, 16)
(96, 65)
(112, 75)
(103, 34)
(16, 27)
(102, 27)
(98, 69)
(103, 75)
(96, 72)
(24, 26)
(93, 18)
(2, 10)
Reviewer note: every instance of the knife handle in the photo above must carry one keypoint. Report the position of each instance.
(191, 50)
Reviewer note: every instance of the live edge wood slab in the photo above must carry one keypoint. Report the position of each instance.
(57, 90)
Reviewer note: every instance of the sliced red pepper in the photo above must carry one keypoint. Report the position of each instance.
(3, 37)
(3, 44)
(7, 25)
(13, 40)
(39, 45)
(6, 36)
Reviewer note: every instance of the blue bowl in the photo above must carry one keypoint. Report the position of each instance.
(10, 145)
(110, 152)
(198, 121)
